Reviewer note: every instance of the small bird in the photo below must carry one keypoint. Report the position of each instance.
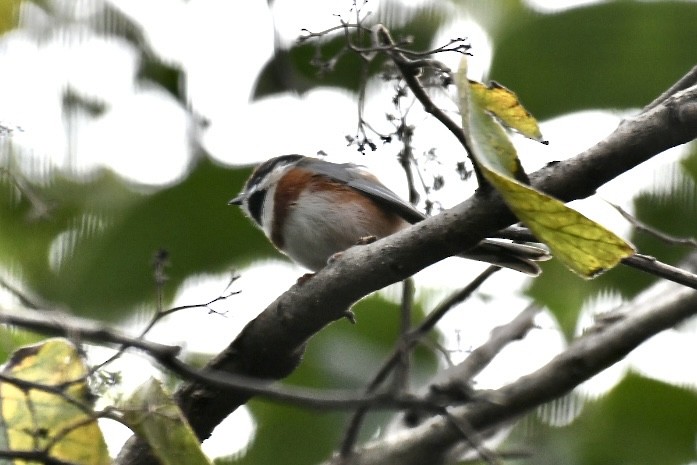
(312, 209)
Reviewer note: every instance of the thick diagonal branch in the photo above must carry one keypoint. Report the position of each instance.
(270, 345)
(600, 347)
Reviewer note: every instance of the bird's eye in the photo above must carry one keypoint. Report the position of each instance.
(255, 203)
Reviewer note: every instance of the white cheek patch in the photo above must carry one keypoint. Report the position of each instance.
(267, 211)
(269, 184)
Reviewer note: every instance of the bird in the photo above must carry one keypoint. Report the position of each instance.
(312, 210)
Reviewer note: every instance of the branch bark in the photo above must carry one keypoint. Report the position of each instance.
(271, 345)
(608, 342)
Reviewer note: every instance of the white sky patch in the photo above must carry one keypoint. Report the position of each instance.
(232, 436)
(557, 6)
(222, 321)
(481, 50)
(144, 138)
(568, 135)
(652, 358)
(290, 17)
(115, 435)
(599, 384)
(33, 109)
(283, 124)
(525, 356)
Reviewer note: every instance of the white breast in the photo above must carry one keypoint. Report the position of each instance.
(316, 229)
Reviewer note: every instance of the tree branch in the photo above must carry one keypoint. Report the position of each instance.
(637, 261)
(608, 342)
(406, 343)
(270, 346)
(166, 356)
(55, 323)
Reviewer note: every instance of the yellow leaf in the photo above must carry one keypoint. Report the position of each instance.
(56, 420)
(504, 104)
(152, 414)
(490, 145)
(581, 244)
(584, 246)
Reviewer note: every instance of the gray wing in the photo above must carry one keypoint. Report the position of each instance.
(356, 178)
(519, 257)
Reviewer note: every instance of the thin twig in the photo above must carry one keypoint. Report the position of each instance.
(408, 70)
(638, 261)
(641, 226)
(500, 337)
(56, 323)
(435, 316)
(406, 154)
(55, 389)
(24, 299)
(453, 384)
(41, 209)
(166, 356)
(31, 456)
(410, 339)
(473, 438)
(401, 375)
(160, 279)
(655, 267)
(303, 397)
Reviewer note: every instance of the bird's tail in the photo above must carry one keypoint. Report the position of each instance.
(519, 257)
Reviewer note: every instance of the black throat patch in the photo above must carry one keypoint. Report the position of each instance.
(255, 202)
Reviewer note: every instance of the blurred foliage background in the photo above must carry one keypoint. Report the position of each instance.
(125, 129)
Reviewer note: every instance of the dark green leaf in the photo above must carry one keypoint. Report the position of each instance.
(609, 55)
(639, 421)
(306, 65)
(106, 267)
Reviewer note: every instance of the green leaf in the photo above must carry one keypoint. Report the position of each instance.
(667, 208)
(9, 12)
(639, 421)
(607, 55)
(492, 145)
(57, 421)
(584, 246)
(154, 416)
(100, 236)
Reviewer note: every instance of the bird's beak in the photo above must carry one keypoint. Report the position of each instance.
(238, 200)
